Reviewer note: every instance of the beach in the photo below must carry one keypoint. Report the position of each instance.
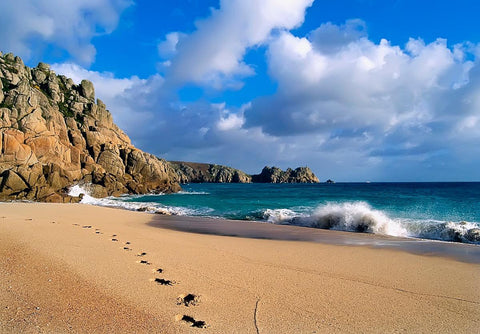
(85, 269)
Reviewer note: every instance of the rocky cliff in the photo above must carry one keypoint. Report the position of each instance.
(191, 172)
(53, 134)
(276, 175)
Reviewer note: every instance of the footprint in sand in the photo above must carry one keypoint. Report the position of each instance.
(142, 254)
(87, 226)
(159, 270)
(114, 239)
(127, 243)
(75, 224)
(144, 262)
(161, 281)
(188, 300)
(127, 249)
(191, 321)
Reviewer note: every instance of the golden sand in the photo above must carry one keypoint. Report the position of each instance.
(84, 269)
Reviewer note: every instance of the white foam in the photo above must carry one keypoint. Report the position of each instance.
(361, 217)
(192, 193)
(121, 202)
(357, 217)
(348, 216)
(279, 216)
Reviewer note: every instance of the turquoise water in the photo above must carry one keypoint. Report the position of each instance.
(442, 211)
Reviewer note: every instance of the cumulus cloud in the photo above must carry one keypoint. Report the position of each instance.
(68, 25)
(116, 93)
(351, 108)
(213, 53)
(383, 100)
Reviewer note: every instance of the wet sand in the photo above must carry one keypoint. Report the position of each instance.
(258, 230)
(83, 269)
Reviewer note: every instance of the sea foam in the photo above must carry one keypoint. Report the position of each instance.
(120, 202)
(350, 216)
(355, 216)
(361, 217)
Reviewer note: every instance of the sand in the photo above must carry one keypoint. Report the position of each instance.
(77, 268)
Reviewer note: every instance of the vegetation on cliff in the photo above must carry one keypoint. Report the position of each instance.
(190, 172)
(276, 175)
(53, 134)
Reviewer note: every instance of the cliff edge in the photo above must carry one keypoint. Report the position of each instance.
(54, 134)
(193, 172)
(276, 175)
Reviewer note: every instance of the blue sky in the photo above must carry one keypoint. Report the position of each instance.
(356, 89)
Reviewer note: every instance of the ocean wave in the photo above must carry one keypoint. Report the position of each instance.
(192, 193)
(361, 217)
(123, 203)
(348, 216)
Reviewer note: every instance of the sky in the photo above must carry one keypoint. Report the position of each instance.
(358, 90)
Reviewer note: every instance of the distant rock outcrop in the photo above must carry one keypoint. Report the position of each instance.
(276, 175)
(53, 135)
(192, 172)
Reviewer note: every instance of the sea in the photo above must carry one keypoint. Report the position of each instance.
(438, 211)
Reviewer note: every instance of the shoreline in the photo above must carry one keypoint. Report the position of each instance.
(464, 252)
(62, 276)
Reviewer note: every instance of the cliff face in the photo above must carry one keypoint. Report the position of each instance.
(53, 134)
(191, 172)
(276, 175)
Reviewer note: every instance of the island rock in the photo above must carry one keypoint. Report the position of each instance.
(276, 175)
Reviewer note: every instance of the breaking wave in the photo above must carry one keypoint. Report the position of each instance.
(347, 216)
(360, 217)
(123, 203)
(192, 193)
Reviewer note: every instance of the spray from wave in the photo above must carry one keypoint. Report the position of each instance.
(348, 216)
(120, 202)
(360, 217)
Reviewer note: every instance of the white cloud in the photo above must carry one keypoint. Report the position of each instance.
(69, 25)
(230, 121)
(361, 85)
(116, 94)
(417, 105)
(213, 54)
(350, 108)
(168, 47)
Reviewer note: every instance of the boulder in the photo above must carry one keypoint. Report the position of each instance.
(87, 90)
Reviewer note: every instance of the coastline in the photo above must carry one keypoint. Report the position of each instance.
(464, 252)
(63, 276)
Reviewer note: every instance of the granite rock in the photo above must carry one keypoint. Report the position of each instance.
(53, 135)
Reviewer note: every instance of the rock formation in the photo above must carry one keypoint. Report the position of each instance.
(191, 172)
(54, 135)
(276, 175)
